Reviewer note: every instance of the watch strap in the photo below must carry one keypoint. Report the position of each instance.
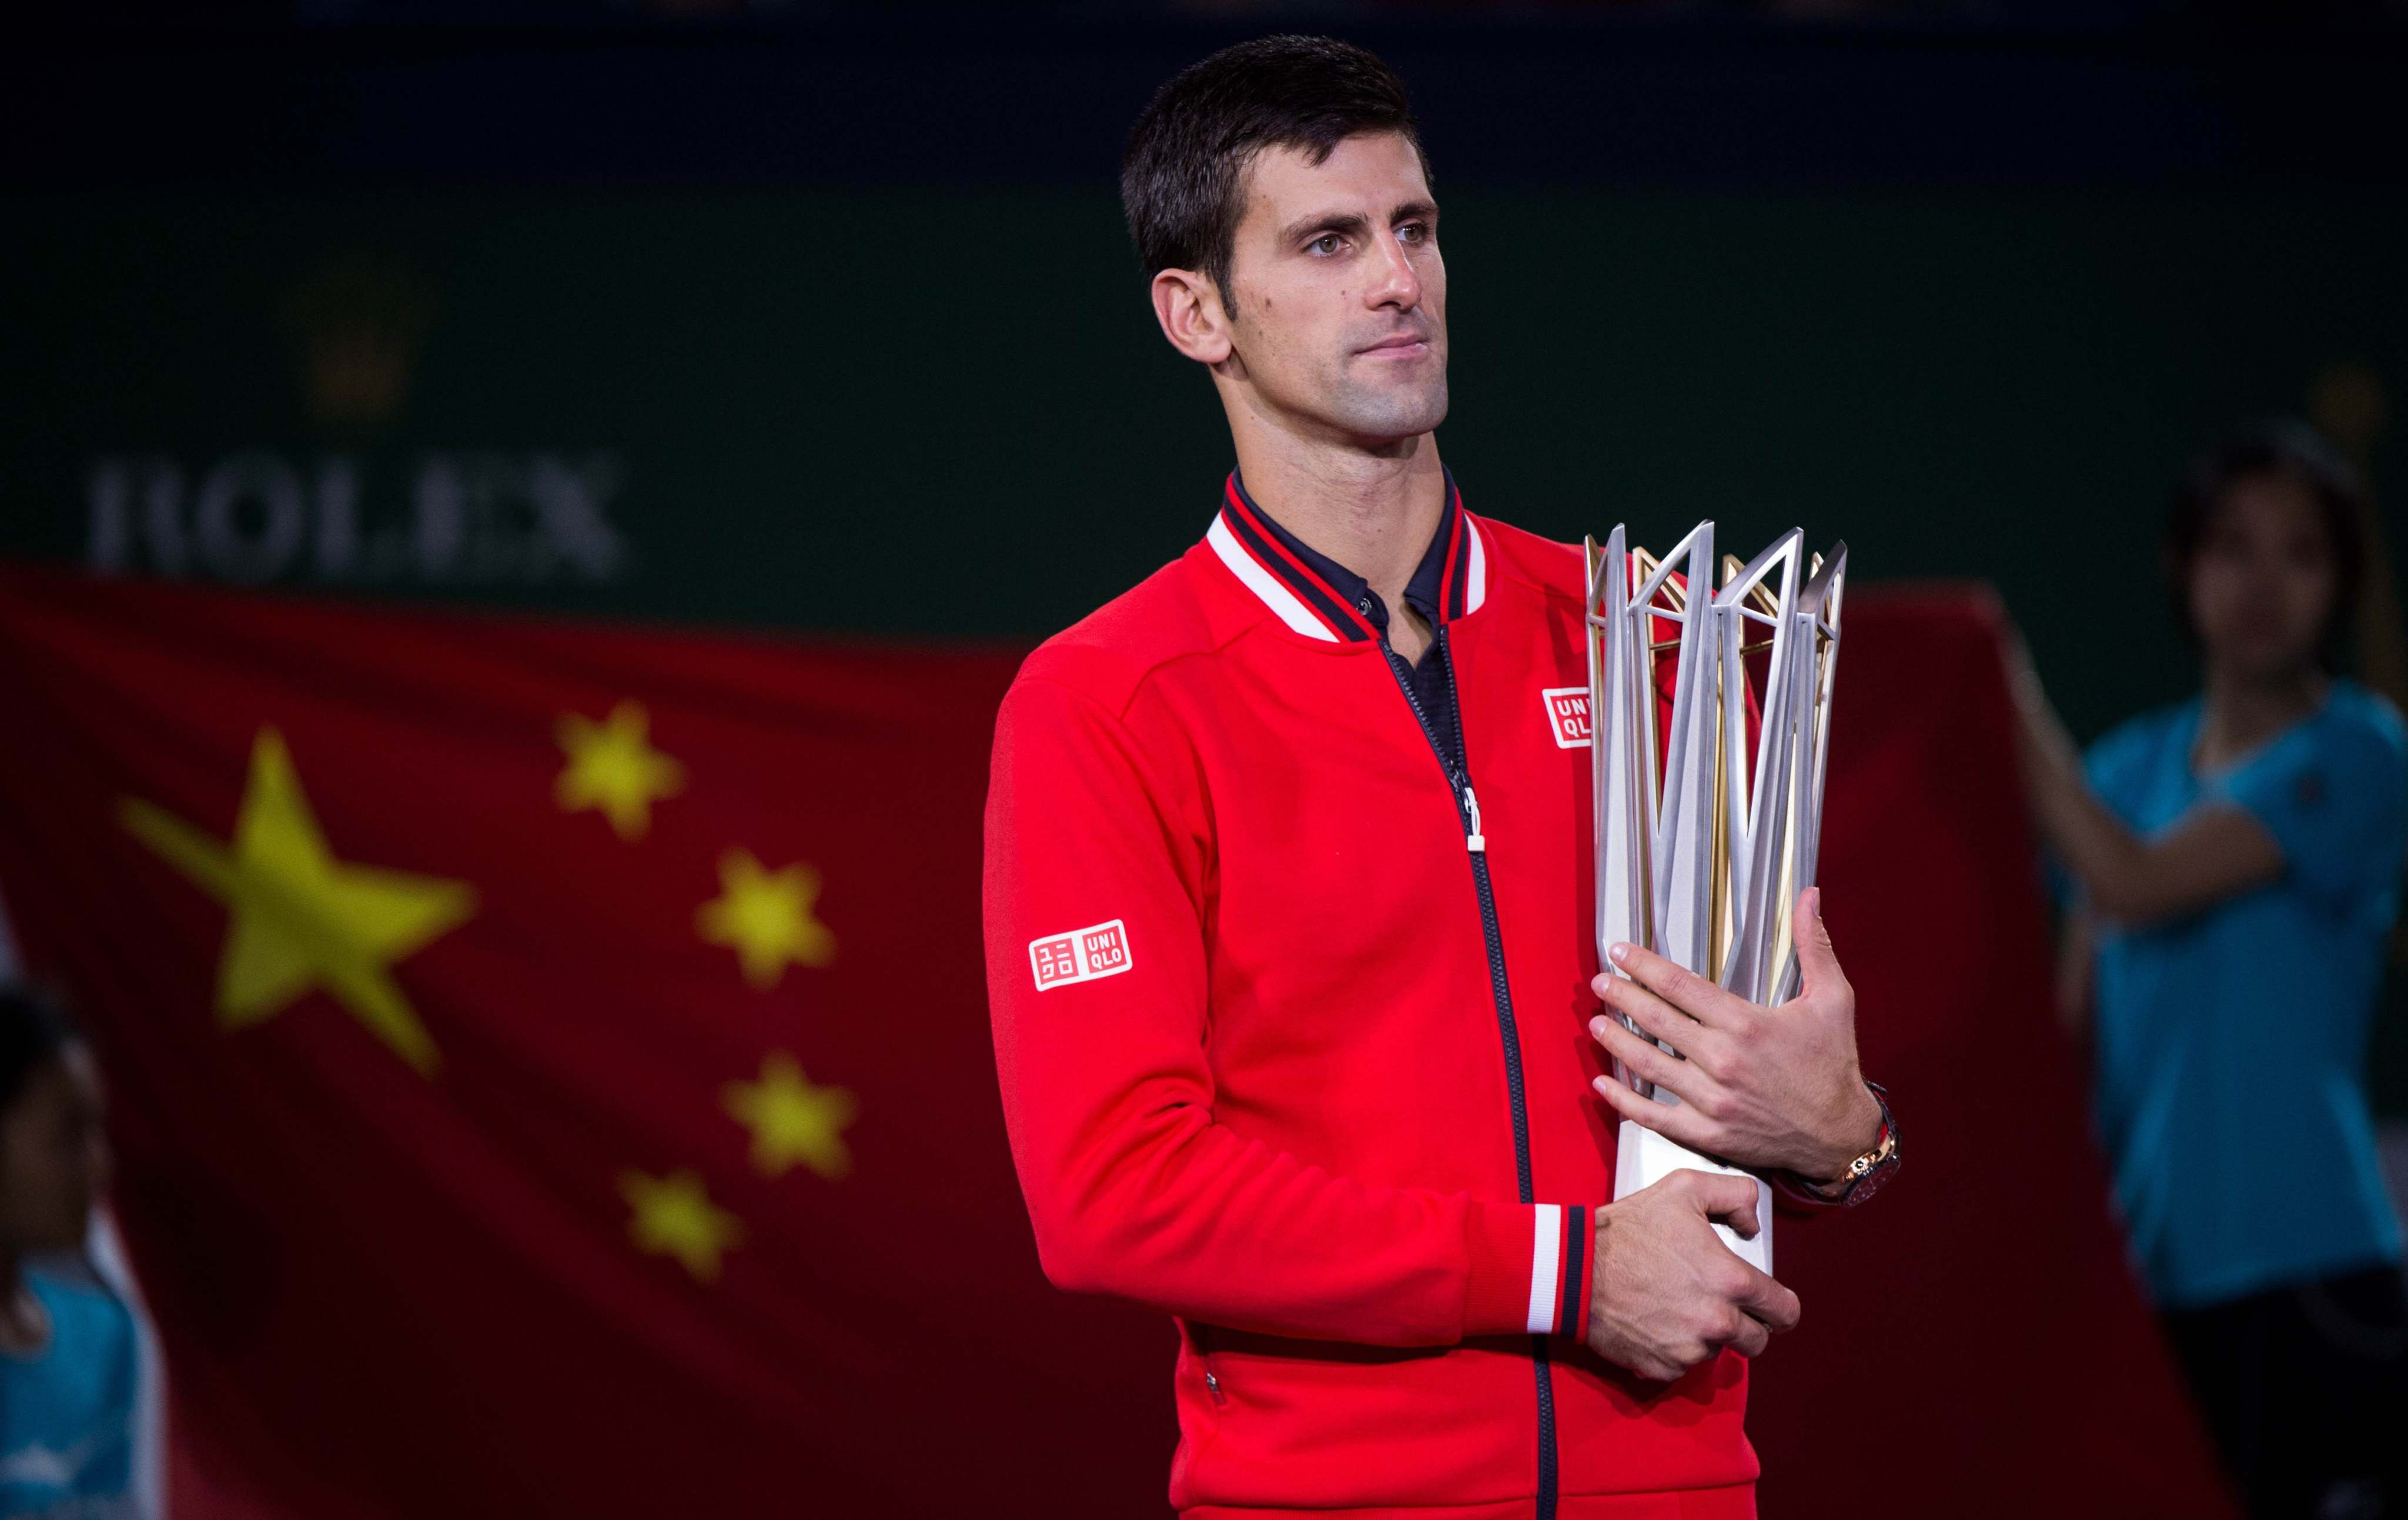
(1865, 1175)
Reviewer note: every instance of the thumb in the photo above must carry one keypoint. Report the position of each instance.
(1818, 963)
(1726, 1199)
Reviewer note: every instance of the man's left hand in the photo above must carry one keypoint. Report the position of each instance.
(1760, 1088)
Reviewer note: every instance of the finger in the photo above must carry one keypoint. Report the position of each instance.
(1692, 994)
(1651, 1013)
(1646, 1059)
(1769, 1301)
(1721, 1196)
(1729, 1200)
(1676, 1122)
(1818, 963)
(1750, 1338)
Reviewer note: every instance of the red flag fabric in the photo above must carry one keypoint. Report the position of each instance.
(550, 1063)
(552, 1076)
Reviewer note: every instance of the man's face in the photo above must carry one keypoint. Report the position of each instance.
(1337, 295)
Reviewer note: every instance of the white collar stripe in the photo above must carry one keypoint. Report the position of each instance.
(1477, 592)
(1289, 607)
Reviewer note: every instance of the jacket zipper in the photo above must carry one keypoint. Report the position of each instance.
(1475, 843)
(1212, 1372)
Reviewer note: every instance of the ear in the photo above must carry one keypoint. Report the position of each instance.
(1188, 306)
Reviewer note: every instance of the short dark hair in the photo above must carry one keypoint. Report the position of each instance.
(1186, 164)
(34, 1029)
(2290, 450)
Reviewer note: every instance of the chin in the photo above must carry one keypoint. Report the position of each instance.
(1394, 415)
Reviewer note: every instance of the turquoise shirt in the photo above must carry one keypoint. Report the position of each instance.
(2231, 1045)
(66, 1414)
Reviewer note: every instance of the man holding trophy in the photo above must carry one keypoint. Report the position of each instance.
(1389, 913)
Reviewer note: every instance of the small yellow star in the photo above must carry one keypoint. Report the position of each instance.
(612, 766)
(299, 919)
(674, 1216)
(765, 917)
(792, 1119)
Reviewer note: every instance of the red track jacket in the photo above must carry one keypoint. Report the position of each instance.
(1291, 1026)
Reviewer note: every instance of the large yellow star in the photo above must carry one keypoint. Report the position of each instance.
(299, 918)
(613, 766)
(792, 1119)
(674, 1216)
(765, 917)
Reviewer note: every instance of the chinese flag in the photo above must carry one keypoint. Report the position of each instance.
(550, 1063)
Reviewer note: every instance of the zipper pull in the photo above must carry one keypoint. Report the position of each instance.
(1475, 840)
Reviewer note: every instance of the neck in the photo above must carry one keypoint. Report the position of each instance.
(2243, 710)
(1371, 509)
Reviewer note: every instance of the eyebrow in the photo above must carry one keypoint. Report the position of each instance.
(1350, 222)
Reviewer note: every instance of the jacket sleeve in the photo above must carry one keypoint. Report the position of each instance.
(1095, 901)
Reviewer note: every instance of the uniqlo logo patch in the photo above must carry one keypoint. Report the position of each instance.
(1080, 956)
(1568, 715)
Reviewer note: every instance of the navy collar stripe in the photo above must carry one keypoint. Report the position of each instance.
(1262, 537)
(1450, 592)
(1463, 572)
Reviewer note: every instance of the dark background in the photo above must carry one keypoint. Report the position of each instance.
(826, 320)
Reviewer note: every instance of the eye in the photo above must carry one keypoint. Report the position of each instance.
(1413, 232)
(1327, 244)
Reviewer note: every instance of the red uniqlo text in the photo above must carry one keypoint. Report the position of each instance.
(1567, 714)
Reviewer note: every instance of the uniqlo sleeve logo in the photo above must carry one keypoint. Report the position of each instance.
(1568, 715)
(1080, 956)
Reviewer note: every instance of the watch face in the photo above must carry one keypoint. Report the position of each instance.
(1868, 1172)
(1872, 1182)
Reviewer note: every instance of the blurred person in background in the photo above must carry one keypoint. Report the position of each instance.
(2238, 858)
(69, 1352)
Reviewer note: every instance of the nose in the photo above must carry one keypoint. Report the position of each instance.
(1395, 281)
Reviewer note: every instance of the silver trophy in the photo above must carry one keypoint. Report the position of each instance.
(1707, 831)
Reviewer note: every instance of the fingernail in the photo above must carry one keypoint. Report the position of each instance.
(1598, 1083)
(1814, 902)
(1597, 1027)
(1618, 954)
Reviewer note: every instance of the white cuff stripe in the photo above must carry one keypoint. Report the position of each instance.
(1476, 593)
(1546, 1252)
(1290, 608)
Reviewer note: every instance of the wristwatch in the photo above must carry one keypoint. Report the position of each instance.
(1869, 1173)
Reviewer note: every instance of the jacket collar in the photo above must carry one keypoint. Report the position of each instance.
(1320, 598)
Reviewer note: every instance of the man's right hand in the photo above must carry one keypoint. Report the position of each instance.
(1667, 1294)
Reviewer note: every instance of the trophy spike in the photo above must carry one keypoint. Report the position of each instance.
(1682, 880)
(1756, 827)
(1621, 752)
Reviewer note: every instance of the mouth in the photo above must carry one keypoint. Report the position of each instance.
(1402, 346)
